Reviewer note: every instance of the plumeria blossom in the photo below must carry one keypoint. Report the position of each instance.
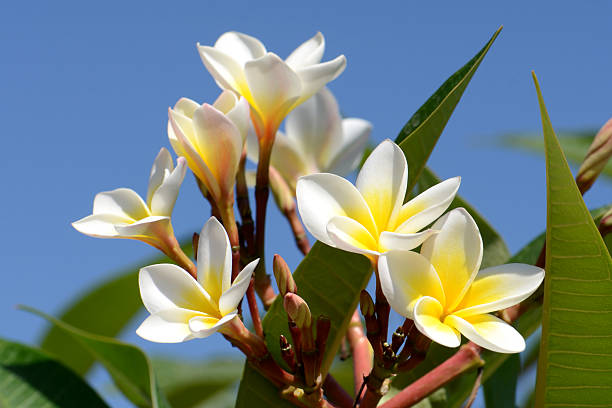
(316, 140)
(122, 213)
(369, 217)
(272, 86)
(183, 308)
(443, 292)
(211, 138)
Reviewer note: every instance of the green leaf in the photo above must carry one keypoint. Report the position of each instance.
(188, 384)
(257, 392)
(93, 313)
(30, 378)
(330, 280)
(500, 388)
(575, 363)
(129, 367)
(495, 249)
(419, 136)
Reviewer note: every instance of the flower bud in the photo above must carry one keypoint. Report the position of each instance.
(298, 310)
(284, 278)
(598, 155)
(605, 225)
(282, 193)
(366, 304)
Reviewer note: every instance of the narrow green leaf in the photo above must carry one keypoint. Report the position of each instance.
(495, 249)
(31, 378)
(330, 280)
(257, 392)
(93, 313)
(500, 388)
(575, 363)
(129, 367)
(419, 136)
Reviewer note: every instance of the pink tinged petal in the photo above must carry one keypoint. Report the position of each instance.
(101, 225)
(274, 87)
(228, 302)
(219, 144)
(404, 242)
(154, 226)
(214, 259)
(322, 196)
(499, 287)
(315, 77)
(203, 326)
(427, 314)
(382, 182)
(309, 53)
(405, 277)
(314, 126)
(427, 206)
(122, 202)
(456, 253)
(168, 286)
(186, 107)
(240, 47)
(489, 332)
(239, 115)
(168, 326)
(162, 167)
(347, 151)
(165, 196)
(227, 72)
(349, 235)
(287, 159)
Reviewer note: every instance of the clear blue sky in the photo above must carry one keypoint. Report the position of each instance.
(86, 85)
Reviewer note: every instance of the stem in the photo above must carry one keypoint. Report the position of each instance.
(254, 310)
(301, 239)
(464, 360)
(360, 348)
(244, 207)
(382, 307)
(335, 393)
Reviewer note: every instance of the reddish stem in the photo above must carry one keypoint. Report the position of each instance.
(301, 239)
(360, 349)
(335, 393)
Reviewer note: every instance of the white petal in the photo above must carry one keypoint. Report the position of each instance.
(274, 86)
(405, 276)
(167, 326)
(122, 202)
(427, 313)
(240, 47)
(314, 125)
(214, 259)
(322, 196)
(287, 159)
(100, 225)
(164, 198)
(162, 167)
(309, 53)
(239, 115)
(489, 332)
(168, 286)
(346, 152)
(253, 145)
(227, 72)
(349, 235)
(315, 77)
(186, 107)
(455, 252)
(427, 206)
(154, 227)
(499, 287)
(202, 326)
(382, 182)
(230, 298)
(403, 242)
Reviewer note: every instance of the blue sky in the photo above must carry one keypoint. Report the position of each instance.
(86, 86)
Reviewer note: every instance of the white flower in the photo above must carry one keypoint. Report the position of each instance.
(182, 308)
(370, 218)
(272, 86)
(211, 138)
(121, 213)
(316, 140)
(443, 292)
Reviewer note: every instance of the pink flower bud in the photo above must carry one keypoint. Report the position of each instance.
(298, 310)
(284, 278)
(598, 155)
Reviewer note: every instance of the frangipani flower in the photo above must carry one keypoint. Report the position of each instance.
(272, 86)
(317, 140)
(440, 289)
(121, 213)
(182, 308)
(211, 138)
(369, 218)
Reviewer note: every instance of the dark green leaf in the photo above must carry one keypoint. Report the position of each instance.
(257, 392)
(30, 378)
(419, 136)
(500, 388)
(128, 366)
(575, 363)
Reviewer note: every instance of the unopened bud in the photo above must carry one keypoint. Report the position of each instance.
(596, 158)
(284, 278)
(366, 303)
(298, 310)
(605, 225)
(282, 193)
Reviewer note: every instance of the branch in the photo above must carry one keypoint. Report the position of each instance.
(360, 349)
